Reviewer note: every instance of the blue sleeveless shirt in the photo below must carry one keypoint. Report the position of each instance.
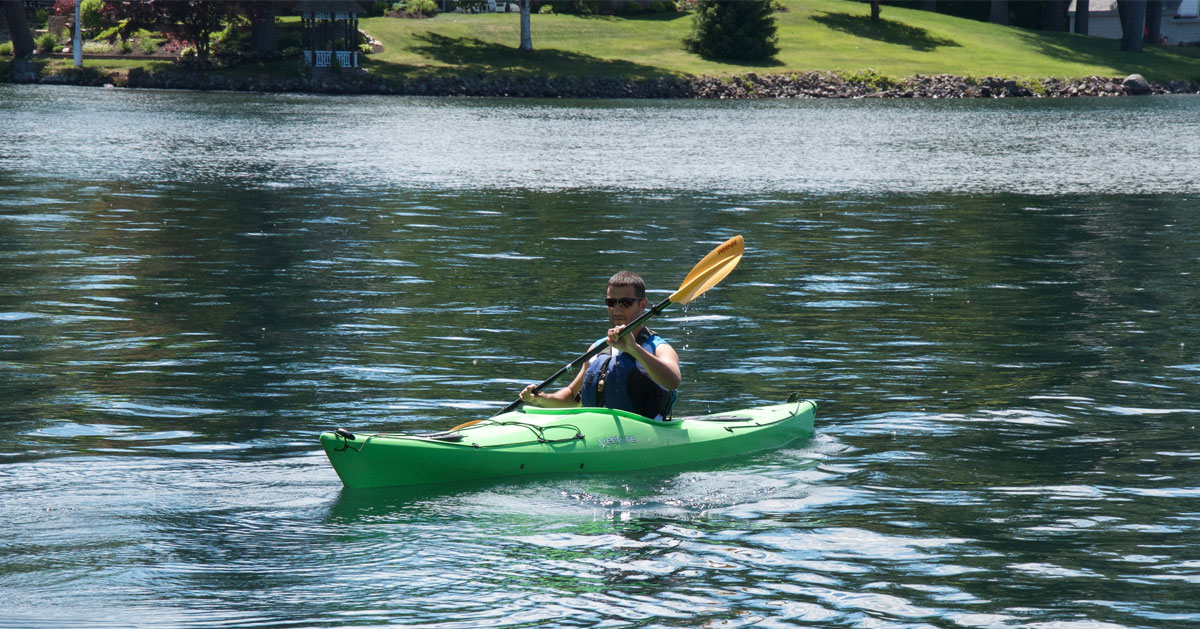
(620, 382)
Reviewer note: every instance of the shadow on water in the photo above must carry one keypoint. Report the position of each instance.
(476, 55)
(884, 30)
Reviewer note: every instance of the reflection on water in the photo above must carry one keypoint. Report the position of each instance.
(1008, 382)
(1034, 146)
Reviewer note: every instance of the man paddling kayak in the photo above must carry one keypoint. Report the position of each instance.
(638, 373)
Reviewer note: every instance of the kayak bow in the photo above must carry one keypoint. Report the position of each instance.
(555, 441)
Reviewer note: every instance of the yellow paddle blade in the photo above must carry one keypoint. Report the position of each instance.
(712, 269)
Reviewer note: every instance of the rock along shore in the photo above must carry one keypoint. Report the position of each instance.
(748, 86)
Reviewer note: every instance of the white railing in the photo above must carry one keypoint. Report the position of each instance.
(324, 58)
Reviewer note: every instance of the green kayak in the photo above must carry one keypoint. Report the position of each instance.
(549, 441)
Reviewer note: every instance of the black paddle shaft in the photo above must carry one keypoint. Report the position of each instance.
(637, 323)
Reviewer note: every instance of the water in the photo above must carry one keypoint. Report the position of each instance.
(994, 303)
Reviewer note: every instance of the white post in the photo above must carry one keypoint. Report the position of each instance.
(78, 45)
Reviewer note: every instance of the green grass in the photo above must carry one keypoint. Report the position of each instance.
(104, 66)
(835, 35)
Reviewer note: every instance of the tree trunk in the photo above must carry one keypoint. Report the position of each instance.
(14, 15)
(526, 38)
(1054, 15)
(264, 37)
(1154, 11)
(1133, 22)
(875, 10)
(929, 5)
(999, 12)
(1081, 16)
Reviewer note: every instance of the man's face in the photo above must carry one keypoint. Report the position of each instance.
(619, 313)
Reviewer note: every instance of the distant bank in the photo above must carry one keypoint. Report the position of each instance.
(748, 86)
(827, 49)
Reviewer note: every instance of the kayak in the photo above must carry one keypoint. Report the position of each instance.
(531, 441)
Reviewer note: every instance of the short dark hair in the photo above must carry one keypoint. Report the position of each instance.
(629, 278)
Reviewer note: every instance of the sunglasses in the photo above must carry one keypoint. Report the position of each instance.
(625, 302)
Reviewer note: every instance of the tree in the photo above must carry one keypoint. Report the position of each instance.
(1133, 22)
(192, 20)
(526, 38)
(875, 10)
(197, 21)
(1054, 15)
(263, 34)
(736, 30)
(999, 12)
(1153, 28)
(22, 38)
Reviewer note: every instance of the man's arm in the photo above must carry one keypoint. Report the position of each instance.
(562, 398)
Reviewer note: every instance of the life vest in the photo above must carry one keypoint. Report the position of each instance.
(618, 381)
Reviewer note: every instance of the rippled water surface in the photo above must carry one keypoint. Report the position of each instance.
(993, 302)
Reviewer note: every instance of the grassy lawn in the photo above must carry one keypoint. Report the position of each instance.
(832, 35)
(104, 66)
(814, 35)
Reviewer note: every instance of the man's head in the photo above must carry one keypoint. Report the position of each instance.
(625, 297)
(629, 278)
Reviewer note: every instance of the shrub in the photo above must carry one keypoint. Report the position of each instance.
(578, 7)
(872, 78)
(631, 6)
(46, 42)
(41, 18)
(546, 9)
(291, 38)
(365, 49)
(232, 36)
(89, 14)
(427, 8)
(6, 49)
(414, 9)
(126, 47)
(109, 33)
(658, 6)
(148, 45)
(96, 48)
(230, 44)
(742, 31)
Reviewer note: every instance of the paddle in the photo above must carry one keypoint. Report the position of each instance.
(707, 273)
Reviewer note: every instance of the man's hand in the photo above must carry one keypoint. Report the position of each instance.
(627, 344)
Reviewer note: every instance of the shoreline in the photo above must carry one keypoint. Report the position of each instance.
(750, 86)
